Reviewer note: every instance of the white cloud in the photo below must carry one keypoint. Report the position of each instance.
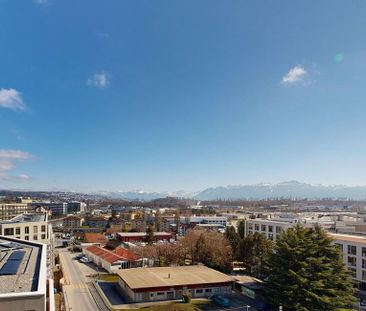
(100, 80)
(12, 99)
(7, 163)
(296, 74)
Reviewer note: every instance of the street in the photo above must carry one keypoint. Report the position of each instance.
(77, 295)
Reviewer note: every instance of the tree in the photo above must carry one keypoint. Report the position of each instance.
(241, 229)
(254, 251)
(306, 272)
(233, 237)
(150, 235)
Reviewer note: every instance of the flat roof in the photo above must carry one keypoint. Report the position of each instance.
(348, 237)
(23, 218)
(135, 234)
(26, 277)
(138, 278)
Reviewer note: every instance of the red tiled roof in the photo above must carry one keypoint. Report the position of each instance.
(104, 254)
(95, 238)
(126, 253)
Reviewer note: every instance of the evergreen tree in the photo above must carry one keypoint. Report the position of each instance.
(254, 251)
(150, 235)
(233, 237)
(306, 272)
(241, 229)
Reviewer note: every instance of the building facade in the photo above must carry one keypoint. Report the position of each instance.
(10, 210)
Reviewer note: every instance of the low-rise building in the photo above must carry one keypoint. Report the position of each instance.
(29, 227)
(96, 222)
(167, 283)
(98, 239)
(142, 236)
(72, 222)
(23, 276)
(10, 210)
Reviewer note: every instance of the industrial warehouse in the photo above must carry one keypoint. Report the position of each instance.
(168, 283)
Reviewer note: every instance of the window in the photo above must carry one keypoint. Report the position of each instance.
(160, 293)
(35, 229)
(208, 290)
(43, 236)
(363, 251)
(27, 238)
(9, 231)
(26, 230)
(35, 237)
(278, 229)
(270, 228)
(270, 236)
(363, 263)
(250, 227)
(263, 227)
(250, 232)
(256, 227)
(199, 291)
(43, 228)
(352, 250)
(352, 261)
(17, 230)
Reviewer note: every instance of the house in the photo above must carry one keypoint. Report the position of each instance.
(167, 283)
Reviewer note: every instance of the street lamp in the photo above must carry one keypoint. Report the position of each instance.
(247, 306)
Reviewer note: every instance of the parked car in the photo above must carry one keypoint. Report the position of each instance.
(85, 259)
(78, 257)
(220, 301)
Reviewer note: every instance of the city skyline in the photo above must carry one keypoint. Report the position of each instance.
(169, 96)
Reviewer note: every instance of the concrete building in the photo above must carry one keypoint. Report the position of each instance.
(10, 210)
(96, 222)
(272, 228)
(141, 236)
(353, 248)
(167, 283)
(76, 207)
(72, 222)
(23, 276)
(29, 227)
(57, 209)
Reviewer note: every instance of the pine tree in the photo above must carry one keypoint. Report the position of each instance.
(306, 272)
(150, 235)
(233, 237)
(241, 229)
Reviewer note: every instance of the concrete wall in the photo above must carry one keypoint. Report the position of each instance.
(18, 303)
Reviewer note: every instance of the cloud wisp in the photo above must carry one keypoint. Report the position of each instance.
(294, 75)
(11, 99)
(8, 159)
(100, 80)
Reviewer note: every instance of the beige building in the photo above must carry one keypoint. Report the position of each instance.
(29, 227)
(168, 283)
(72, 222)
(10, 210)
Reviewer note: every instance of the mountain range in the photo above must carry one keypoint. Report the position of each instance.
(288, 189)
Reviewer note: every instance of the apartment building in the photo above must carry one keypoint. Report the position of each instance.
(72, 222)
(10, 210)
(272, 228)
(353, 248)
(29, 227)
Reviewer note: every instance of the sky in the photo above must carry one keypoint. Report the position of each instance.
(181, 95)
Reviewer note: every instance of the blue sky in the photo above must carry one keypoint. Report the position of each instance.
(168, 95)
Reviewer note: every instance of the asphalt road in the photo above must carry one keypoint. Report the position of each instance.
(77, 295)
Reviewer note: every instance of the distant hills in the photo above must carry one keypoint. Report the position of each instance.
(288, 189)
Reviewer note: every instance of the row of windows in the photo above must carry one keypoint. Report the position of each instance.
(35, 237)
(10, 231)
(352, 249)
(264, 228)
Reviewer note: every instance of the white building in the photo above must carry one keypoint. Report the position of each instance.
(29, 227)
(354, 256)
